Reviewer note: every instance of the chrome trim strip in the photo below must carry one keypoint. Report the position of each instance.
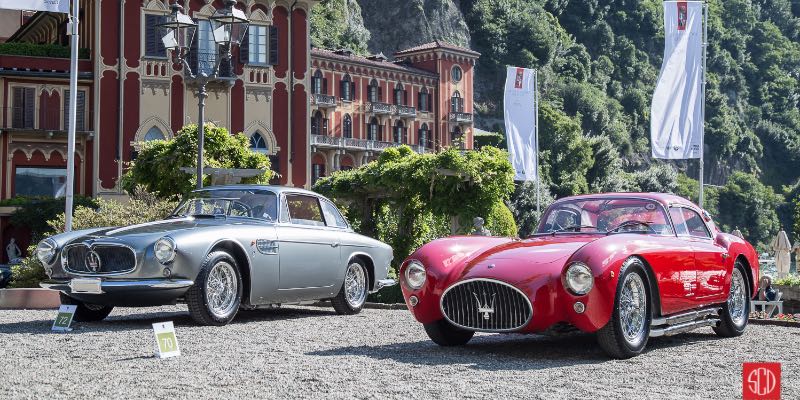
(382, 283)
(92, 246)
(524, 296)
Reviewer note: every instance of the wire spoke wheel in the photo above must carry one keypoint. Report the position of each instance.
(737, 298)
(221, 290)
(633, 308)
(355, 285)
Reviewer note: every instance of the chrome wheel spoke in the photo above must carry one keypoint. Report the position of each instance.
(355, 289)
(633, 308)
(221, 289)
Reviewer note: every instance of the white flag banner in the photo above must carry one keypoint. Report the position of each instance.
(519, 105)
(61, 6)
(676, 121)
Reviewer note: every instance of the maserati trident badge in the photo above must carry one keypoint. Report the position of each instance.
(93, 261)
(484, 307)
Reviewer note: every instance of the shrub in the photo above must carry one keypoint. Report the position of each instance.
(34, 213)
(142, 207)
(500, 221)
(40, 50)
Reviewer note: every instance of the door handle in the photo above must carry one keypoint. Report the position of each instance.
(334, 245)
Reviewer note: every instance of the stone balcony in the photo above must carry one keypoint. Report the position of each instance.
(461, 118)
(331, 142)
(405, 111)
(379, 108)
(323, 100)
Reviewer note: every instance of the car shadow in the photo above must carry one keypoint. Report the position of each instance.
(506, 352)
(145, 320)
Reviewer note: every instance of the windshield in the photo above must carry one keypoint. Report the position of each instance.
(605, 216)
(261, 204)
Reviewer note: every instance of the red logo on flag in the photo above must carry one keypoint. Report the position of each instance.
(761, 381)
(520, 78)
(683, 15)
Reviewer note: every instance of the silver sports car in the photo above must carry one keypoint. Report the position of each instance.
(223, 248)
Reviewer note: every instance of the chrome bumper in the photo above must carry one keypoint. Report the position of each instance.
(382, 284)
(123, 286)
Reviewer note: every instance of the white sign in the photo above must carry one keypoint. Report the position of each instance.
(676, 122)
(64, 318)
(166, 341)
(519, 105)
(60, 6)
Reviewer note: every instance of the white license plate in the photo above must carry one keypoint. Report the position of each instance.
(86, 285)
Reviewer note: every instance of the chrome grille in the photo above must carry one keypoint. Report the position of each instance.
(486, 305)
(113, 259)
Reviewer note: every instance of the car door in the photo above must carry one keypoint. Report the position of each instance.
(709, 258)
(309, 250)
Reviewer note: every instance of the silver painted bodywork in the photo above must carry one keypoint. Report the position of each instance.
(295, 263)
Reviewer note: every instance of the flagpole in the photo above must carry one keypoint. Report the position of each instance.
(73, 107)
(536, 138)
(703, 95)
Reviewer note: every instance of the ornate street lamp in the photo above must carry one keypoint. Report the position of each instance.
(228, 25)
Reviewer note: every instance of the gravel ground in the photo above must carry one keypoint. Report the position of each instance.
(310, 352)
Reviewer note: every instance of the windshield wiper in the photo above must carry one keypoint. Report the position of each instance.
(632, 223)
(572, 228)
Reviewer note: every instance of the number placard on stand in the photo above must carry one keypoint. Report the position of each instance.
(64, 318)
(166, 341)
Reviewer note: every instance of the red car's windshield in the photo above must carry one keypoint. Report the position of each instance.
(606, 215)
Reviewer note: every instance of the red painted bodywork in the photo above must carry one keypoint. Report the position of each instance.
(687, 273)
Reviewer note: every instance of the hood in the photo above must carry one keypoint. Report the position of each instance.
(157, 228)
(523, 259)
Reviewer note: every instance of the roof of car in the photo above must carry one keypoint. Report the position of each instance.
(274, 188)
(663, 198)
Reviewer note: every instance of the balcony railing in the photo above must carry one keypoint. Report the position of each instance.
(323, 100)
(359, 144)
(379, 108)
(461, 117)
(43, 118)
(405, 111)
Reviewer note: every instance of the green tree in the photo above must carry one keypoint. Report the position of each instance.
(748, 204)
(157, 168)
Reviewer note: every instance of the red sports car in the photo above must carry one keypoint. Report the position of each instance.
(626, 266)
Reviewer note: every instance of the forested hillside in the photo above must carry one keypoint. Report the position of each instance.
(598, 62)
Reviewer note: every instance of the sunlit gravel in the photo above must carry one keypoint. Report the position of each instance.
(308, 352)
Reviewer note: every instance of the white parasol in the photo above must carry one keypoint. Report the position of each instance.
(781, 246)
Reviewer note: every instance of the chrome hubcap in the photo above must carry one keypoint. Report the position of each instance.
(221, 290)
(355, 285)
(737, 298)
(633, 308)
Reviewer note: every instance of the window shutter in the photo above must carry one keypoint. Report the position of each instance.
(342, 89)
(66, 109)
(195, 48)
(244, 49)
(150, 33)
(405, 97)
(325, 126)
(273, 45)
(324, 85)
(380, 93)
(353, 91)
(30, 109)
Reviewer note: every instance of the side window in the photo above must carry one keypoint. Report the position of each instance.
(284, 217)
(304, 210)
(695, 224)
(332, 215)
(677, 219)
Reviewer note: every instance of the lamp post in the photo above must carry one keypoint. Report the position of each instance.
(228, 26)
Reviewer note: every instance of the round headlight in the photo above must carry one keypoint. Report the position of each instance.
(579, 278)
(164, 250)
(415, 275)
(46, 251)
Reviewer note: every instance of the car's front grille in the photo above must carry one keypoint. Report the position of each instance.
(486, 305)
(107, 259)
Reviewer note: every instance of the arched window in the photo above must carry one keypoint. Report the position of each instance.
(457, 103)
(374, 92)
(347, 88)
(399, 95)
(154, 134)
(424, 100)
(347, 126)
(372, 129)
(319, 124)
(258, 144)
(318, 83)
(456, 137)
(424, 136)
(400, 132)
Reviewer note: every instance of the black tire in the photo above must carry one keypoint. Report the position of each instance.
(196, 296)
(340, 302)
(443, 333)
(728, 325)
(611, 337)
(85, 312)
